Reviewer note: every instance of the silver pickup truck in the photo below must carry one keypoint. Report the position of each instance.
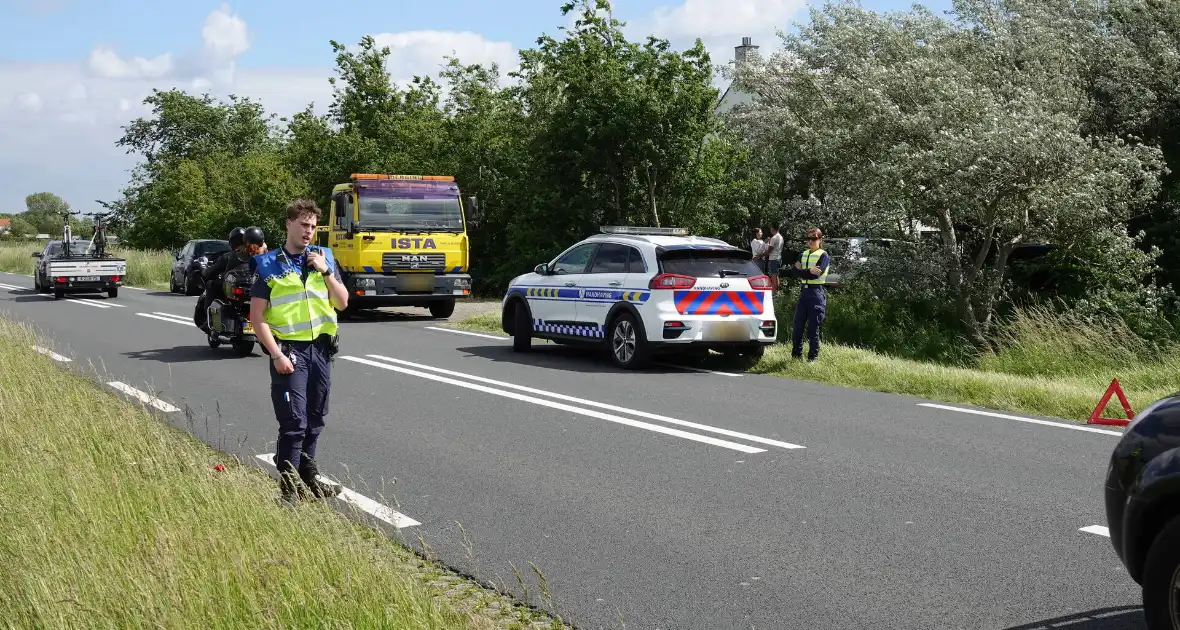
(77, 271)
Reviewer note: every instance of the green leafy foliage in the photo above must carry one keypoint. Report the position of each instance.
(1034, 136)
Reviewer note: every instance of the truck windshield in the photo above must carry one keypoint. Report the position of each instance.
(404, 210)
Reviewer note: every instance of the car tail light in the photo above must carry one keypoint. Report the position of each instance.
(60, 279)
(116, 278)
(671, 281)
(760, 283)
(673, 324)
(239, 291)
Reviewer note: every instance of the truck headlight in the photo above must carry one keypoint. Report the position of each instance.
(365, 283)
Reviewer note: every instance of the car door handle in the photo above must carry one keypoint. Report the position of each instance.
(615, 283)
(571, 284)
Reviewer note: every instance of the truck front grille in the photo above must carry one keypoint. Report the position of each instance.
(425, 262)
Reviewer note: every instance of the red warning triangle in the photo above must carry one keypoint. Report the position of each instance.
(1096, 417)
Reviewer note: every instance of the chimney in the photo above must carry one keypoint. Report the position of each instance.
(745, 52)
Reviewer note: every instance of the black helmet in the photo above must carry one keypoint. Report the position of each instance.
(254, 235)
(237, 237)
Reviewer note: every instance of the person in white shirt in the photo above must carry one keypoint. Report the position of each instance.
(758, 250)
(774, 254)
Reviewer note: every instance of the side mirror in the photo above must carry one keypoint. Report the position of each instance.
(541, 269)
(176, 255)
(473, 210)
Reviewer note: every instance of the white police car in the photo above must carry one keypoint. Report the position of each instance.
(639, 291)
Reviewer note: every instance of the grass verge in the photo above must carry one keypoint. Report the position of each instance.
(145, 268)
(113, 519)
(1055, 368)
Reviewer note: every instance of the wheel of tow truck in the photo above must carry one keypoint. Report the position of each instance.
(522, 328)
(243, 348)
(442, 309)
(213, 342)
(1161, 579)
(626, 343)
(172, 288)
(113, 292)
(58, 294)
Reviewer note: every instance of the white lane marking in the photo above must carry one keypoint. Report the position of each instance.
(183, 318)
(468, 333)
(365, 504)
(570, 408)
(591, 403)
(694, 369)
(52, 355)
(1096, 529)
(23, 275)
(137, 288)
(502, 338)
(13, 287)
(171, 319)
(1059, 425)
(77, 301)
(143, 397)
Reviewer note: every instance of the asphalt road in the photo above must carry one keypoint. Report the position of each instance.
(668, 498)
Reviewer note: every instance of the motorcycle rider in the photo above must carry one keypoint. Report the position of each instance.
(244, 245)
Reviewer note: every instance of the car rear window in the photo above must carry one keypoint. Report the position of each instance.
(701, 263)
(209, 247)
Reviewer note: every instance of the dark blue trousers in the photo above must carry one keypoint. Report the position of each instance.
(300, 401)
(810, 311)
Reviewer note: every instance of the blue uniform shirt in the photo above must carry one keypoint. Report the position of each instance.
(262, 290)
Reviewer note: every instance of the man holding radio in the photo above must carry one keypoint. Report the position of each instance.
(293, 306)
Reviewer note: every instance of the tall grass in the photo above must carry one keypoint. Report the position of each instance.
(112, 519)
(1048, 364)
(145, 268)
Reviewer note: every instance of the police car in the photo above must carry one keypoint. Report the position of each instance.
(636, 292)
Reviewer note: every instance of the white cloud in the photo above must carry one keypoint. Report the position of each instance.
(723, 19)
(107, 64)
(59, 121)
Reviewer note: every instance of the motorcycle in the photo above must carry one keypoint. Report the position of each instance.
(229, 318)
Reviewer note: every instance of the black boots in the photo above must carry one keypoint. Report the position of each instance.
(306, 483)
(309, 474)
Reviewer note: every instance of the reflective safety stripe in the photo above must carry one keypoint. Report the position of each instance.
(291, 298)
(810, 259)
(290, 329)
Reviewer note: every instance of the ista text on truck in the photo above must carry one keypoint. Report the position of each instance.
(401, 240)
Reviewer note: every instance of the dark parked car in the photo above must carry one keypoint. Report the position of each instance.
(1143, 508)
(186, 271)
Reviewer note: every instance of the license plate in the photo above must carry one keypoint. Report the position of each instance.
(85, 278)
(418, 282)
(727, 331)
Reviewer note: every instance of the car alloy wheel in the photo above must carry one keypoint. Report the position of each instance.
(623, 341)
(1174, 598)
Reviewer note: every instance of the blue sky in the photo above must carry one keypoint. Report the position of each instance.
(73, 71)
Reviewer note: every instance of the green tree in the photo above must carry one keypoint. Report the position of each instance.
(973, 128)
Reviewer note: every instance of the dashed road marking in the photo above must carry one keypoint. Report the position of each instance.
(52, 355)
(1096, 529)
(363, 503)
(143, 397)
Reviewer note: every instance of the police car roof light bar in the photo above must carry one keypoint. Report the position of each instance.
(646, 231)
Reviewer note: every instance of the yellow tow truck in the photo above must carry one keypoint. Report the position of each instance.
(401, 240)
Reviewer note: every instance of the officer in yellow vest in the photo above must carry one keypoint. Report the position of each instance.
(293, 306)
(812, 307)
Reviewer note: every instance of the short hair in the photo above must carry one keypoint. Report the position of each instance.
(296, 209)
